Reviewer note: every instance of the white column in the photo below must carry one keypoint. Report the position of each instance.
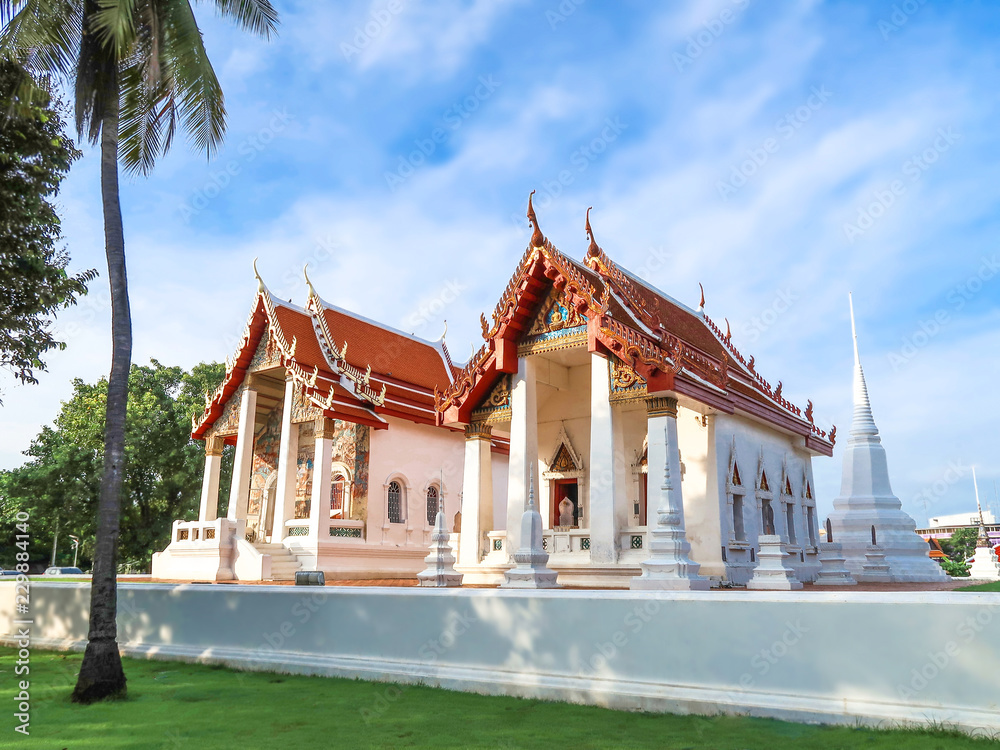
(288, 453)
(477, 493)
(239, 492)
(209, 508)
(603, 482)
(523, 448)
(668, 566)
(319, 507)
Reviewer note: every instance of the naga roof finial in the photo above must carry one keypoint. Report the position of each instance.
(445, 331)
(701, 305)
(594, 248)
(729, 334)
(305, 272)
(537, 238)
(260, 281)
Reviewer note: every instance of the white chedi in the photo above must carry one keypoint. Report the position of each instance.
(440, 571)
(985, 565)
(866, 500)
(531, 569)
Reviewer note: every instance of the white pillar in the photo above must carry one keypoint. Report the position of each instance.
(603, 482)
(288, 453)
(209, 508)
(239, 492)
(669, 566)
(477, 493)
(523, 448)
(319, 507)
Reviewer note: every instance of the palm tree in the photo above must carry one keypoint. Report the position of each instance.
(136, 68)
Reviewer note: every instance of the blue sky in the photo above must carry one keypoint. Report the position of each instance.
(780, 153)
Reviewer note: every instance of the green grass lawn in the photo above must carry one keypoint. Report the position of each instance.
(995, 586)
(176, 705)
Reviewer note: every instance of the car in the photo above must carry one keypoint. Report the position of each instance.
(63, 572)
(8, 573)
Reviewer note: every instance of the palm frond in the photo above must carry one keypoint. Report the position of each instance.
(114, 23)
(257, 16)
(43, 35)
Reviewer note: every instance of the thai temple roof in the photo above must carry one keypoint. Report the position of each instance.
(668, 344)
(349, 367)
(360, 370)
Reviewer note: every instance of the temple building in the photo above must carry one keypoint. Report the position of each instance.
(591, 387)
(583, 367)
(339, 463)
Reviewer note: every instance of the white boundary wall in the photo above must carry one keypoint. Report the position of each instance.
(829, 657)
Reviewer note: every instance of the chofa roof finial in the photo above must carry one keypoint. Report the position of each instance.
(594, 248)
(537, 238)
(305, 272)
(701, 305)
(260, 281)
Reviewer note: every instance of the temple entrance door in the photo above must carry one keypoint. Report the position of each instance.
(266, 518)
(272, 495)
(565, 489)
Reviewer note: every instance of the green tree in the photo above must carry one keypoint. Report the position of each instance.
(961, 545)
(60, 483)
(35, 155)
(136, 68)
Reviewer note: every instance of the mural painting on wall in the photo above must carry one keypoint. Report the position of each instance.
(362, 445)
(303, 409)
(304, 469)
(265, 461)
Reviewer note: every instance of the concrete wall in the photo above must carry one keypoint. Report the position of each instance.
(828, 657)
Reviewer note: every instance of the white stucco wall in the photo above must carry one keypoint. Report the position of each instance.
(827, 657)
(752, 438)
(416, 455)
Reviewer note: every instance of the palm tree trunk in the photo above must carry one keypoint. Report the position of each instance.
(101, 675)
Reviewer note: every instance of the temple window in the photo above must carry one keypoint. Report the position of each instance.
(790, 522)
(739, 530)
(394, 502)
(432, 505)
(811, 525)
(337, 493)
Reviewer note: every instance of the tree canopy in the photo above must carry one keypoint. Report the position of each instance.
(163, 472)
(35, 155)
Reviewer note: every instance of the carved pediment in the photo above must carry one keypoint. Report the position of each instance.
(565, 460)
(556, 326)
(496, 406)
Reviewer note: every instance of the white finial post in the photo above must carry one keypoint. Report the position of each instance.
(984, 564)
(975, 485)
(854, 328)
